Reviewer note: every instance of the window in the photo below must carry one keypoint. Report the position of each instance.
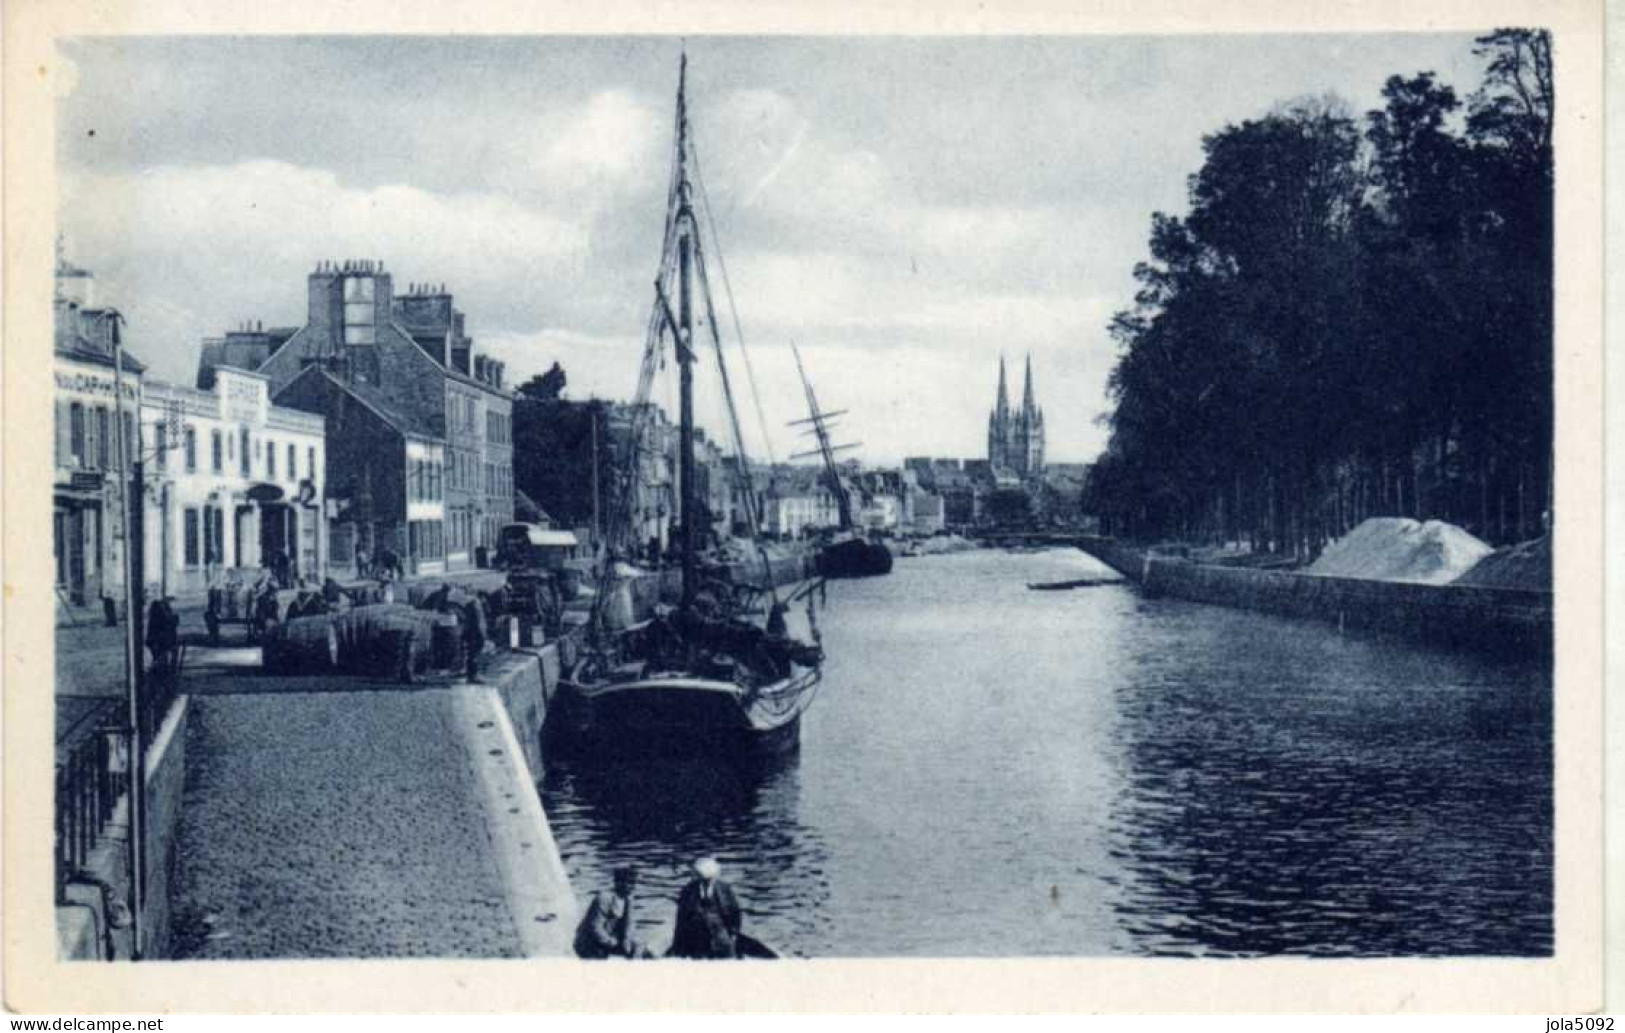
(310, 462)
(161, 441)
(217, 444)
(191, 449)
(191, 538)
(104, 440)
(293, 454)
(216, 523)
(270, 461)
(245, 461)
(359, 310)
(76, 433)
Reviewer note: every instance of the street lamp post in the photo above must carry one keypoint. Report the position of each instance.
(130, 503)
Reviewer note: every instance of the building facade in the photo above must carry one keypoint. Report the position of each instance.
(798, 500)
(232, 483)
(87, 533)
(385, 479)
(409, 360)
(1015, 439)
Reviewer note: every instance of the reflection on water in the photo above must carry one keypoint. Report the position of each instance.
(1329, 796)
(995, 771)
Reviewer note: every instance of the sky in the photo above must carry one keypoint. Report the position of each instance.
(906, 210)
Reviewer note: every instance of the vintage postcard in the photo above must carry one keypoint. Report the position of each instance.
(1047, 510)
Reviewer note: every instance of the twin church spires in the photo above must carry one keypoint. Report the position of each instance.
(1015, 440)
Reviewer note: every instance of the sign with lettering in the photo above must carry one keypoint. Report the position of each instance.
(243, 398)
(87, 382)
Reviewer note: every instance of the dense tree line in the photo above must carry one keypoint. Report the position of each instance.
(1353, 319)
(553, 443)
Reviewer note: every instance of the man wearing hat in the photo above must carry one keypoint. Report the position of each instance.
(606, 929)
(708, 916)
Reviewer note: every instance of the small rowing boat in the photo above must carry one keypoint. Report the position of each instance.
(1057, 586)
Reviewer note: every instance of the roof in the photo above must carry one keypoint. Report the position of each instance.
(543, 536)
(454, 374)
(81, 352)
(373, 401)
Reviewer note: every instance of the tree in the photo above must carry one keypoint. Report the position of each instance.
(545, 387)
(1353, 319)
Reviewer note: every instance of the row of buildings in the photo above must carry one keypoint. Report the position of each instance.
(377, 427)
(373, 427)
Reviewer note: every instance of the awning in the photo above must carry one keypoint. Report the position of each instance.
(542, 536)
(266, 493)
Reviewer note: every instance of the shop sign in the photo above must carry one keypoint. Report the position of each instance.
(82, 382)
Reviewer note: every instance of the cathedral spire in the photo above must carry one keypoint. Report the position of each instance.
(1003, 404)
(1029, 406)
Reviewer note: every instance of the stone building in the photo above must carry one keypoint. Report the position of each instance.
(408, 359)
(385, 473)
(232, 482)
(798, 500)
(86, 530)
(1015, 439)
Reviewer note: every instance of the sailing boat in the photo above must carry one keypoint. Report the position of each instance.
(848, 554)
(703, 676)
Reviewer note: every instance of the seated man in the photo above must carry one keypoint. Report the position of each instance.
(606, 929)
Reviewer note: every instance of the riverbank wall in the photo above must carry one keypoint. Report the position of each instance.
(1495, 620)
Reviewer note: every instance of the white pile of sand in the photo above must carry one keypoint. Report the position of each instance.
(1401, 549)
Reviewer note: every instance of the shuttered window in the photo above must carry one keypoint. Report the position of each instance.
(191, 519)
(76, 430)
(104, 448)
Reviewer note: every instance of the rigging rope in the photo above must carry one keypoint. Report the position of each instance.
(739, 332)
(733, 421)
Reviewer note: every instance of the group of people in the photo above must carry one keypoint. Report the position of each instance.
(386, 567)
(708, 919)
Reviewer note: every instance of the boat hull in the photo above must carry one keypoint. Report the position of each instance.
(677, 715)
(854, 557)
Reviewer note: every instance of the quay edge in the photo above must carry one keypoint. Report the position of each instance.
(1504, 621)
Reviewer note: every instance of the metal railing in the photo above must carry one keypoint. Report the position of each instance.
(91, 774)
(93, 764)
(159, 688)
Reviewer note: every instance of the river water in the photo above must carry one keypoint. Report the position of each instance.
(994, 771)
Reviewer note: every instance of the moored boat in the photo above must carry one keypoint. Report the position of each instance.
(700, 676)
(849, 554)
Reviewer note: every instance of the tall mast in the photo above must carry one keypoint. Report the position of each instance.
(820, 427)
(685, 342)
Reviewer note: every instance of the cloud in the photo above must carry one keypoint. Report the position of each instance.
(612, 135)
(188, 251)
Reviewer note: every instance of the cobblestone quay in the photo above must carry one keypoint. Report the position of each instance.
(361, 822)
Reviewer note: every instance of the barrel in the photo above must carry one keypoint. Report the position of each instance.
(447, 638)
(304, 645)
(379, 640)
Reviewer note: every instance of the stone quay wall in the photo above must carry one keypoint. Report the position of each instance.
(1497, 620)
(525, 681)
(166, 778)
